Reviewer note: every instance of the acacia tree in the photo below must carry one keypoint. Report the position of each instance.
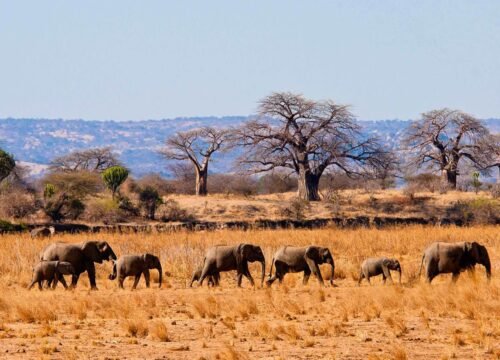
(197, 146)
(442, 138)
(307, 137)
(95, 160)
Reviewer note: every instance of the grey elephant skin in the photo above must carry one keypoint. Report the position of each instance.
(228, 258)
(52, 272)
(42, 232)
(212, 280)
(82, 256)
(379, 266)
(445, 258)
(135, 265)
(290, 259)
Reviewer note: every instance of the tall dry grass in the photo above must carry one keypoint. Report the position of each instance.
(377, 321)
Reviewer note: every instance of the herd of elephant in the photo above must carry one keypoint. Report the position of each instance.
(59, 259)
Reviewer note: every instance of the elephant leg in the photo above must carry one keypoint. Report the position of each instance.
(204, 273)
(146, 277)
(120, 281)
(136, 281)
(313, 267)
(384, 278)
(40, 287)
(361, 276)
(307, 274)
(56, 280)
(386, 274)
(63, 282)
(455, 277)
(367, 277)
(74, 280)
(239, 278)
(246, 272)
(33, 282)
(216, 278)
(91, 274)
(195, 278)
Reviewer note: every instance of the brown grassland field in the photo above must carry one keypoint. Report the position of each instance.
(408, 321)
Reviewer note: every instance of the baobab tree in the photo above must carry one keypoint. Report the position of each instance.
(196, 146)
(491, 144)
(306, 137)
(442, 138)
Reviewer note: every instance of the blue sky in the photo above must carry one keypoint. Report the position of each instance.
(160, 59)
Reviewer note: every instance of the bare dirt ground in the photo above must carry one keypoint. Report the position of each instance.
(343, 203)
(408, 321)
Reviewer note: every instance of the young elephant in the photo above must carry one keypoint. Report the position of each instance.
(52, 272)
(300, 259)
(213, 280)
(135, 265)
(442, 258)
(379, 266)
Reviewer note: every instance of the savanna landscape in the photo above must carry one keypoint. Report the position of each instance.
(239, 180)
(413, 320)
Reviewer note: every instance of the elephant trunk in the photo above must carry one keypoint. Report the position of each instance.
(112, 276)
(333, 272)
(263, 262)
(160, 272)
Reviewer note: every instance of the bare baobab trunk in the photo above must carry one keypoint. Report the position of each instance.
(308, 186)
(449, 178)
(201, 182)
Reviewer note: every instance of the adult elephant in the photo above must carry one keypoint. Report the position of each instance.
(228, 258)
(300, 259)
(443, 258)
(82, 256)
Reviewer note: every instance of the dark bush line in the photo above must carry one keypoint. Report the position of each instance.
(352, 222)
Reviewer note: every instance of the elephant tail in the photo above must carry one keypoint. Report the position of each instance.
(112, 276)
(421, 266)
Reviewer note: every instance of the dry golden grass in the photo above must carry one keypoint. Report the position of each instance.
(411, 321)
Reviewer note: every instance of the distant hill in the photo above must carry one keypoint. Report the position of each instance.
(35, 142)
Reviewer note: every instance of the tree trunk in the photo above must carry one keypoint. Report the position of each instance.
(449, 178)
(308, 186)
(201, 182)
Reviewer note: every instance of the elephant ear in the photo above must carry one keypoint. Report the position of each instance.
(149, 259)
(312, 252)
(92, 252)
(470, 255)
(241, 253)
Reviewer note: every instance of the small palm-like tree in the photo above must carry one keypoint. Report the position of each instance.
(113, 177)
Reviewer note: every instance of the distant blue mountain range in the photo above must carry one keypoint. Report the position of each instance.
(35, 142)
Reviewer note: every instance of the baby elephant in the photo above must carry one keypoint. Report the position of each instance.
(376, 266)
(135, 265)
(52, 271)
(213, 280)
